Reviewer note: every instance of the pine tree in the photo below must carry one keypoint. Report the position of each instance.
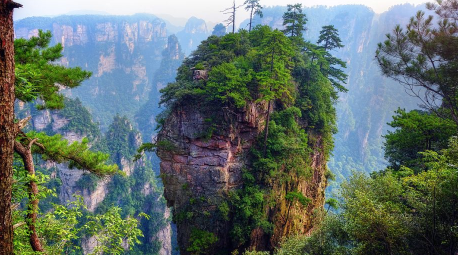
(38, 76)
(275, 77)
(329, 40)
(294, 21)
(254, 8)
(423, 57)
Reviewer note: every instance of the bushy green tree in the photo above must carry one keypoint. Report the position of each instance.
(388, 213)
(65, 225)
(227, 83)
(416, 131)
(275, 75)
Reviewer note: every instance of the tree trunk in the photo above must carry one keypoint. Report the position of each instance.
(27, 158)
(251, 19)
(7, 126)
(233, 18)
(266, 129)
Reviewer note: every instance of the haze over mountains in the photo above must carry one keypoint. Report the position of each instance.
(133, 57)
(362, 112)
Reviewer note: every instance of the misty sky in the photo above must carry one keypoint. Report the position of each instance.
(208, 10)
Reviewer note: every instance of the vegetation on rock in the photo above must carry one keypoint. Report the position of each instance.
(279, 73)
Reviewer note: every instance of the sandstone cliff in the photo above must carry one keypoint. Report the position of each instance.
(200, 174)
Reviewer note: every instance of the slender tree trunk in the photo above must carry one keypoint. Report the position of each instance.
(27, 157)
(266, 133)
(7, 126)
(233, 18)
(251, 19)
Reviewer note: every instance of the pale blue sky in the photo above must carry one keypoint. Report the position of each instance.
(206, 9)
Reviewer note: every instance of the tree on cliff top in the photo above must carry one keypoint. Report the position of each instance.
(329, 40)
(294, 21)
(255, 9)
(232, 11)
(424, 58)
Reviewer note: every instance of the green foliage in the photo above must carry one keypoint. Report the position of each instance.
(294, 21)
(332, 203)
(77, 154)
(219, 30)
(137, 193)
(87, 181)
(228, 83)
(389, 213)
(375, 215)
(39, 76)
(111, 231)
(415, 131)
(329, 40)
(287, 147)
(329, 238)
(248, 204)
(224, 210)
(297, 196)
(65, 224)
(121, 139)
(200, 241)
(79, 119)
(274, 76)
(61, 226)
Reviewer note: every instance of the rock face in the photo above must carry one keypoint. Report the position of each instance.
(172, 56)
(198, 173)
(198, 168)
(164, 235)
